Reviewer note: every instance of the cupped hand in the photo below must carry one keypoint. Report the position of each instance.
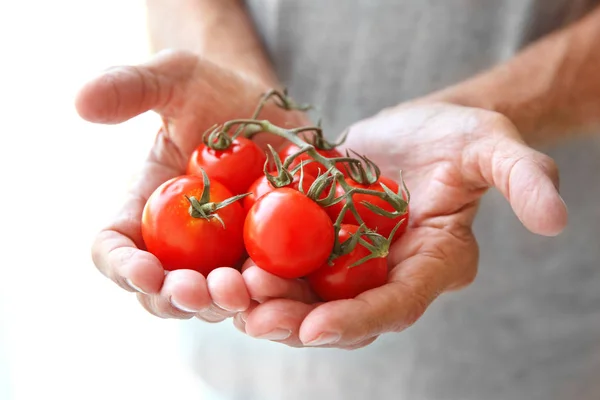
(450, 156)
(190, 94)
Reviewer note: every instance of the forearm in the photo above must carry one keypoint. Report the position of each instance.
(219, 30)
(549, 90)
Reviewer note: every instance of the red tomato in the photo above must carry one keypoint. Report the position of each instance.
(236, 167)
(382, 224)
(314, 167)
(181, 241)
(340, 281)
(262, 186)
(288, 234)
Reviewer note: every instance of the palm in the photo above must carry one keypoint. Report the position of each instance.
(450, 156)
(423, 142)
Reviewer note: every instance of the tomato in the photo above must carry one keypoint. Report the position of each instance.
(340, 280)
(288, 234)
(262, 186)
(181, 241)
(381, 224)
(235, 167)
(313, 168)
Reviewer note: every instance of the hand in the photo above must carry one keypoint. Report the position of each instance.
(191, 95)
(450, 156)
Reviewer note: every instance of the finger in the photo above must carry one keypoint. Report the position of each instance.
(263, 286)
(274, 319)
(183, 294)
(228, 290)
(177, 81)
(116, 252)
(412, 286)
(228, 295)
(123, 92)
(239, 322)
(277, 320)
(528, 179)
(239, 319)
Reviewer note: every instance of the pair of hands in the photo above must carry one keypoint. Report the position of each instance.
(450, 156)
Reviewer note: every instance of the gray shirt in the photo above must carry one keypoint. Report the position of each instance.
(529, 327)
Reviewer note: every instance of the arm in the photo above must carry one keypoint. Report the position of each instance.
(221, 31)
(549, 90)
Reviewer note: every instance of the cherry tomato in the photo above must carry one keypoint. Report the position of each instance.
(181, 241)
(313, 168)
(340, 280)
(262, 186)
(235, 167)
(382, 224)
(288, 234)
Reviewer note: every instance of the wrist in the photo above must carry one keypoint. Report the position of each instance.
(218, 31)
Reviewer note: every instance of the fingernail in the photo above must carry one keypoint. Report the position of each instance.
(182, 308)
(134, 287)
(243, 316)
(276, 334)
(324, 339)
(563, 201)
(227, 308)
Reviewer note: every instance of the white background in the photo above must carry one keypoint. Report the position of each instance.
(66, 331)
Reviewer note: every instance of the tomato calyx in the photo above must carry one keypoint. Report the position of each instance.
(216, 139)
(322, 182)
(283, 176)
(363, 171)
(396, 200)
(206, 209)
(378, 245)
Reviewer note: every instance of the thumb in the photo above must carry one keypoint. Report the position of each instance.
(528, 179)
(123, 92)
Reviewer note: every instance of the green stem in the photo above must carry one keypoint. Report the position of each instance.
(206, 209)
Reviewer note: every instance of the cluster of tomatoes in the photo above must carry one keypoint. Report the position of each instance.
(229, 206)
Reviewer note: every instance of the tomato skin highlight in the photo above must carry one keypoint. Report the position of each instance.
(262, 186)
(381, 224)
(181, 241)
(337, 282)
(235, 167)
(313, 168)
(288, 234)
